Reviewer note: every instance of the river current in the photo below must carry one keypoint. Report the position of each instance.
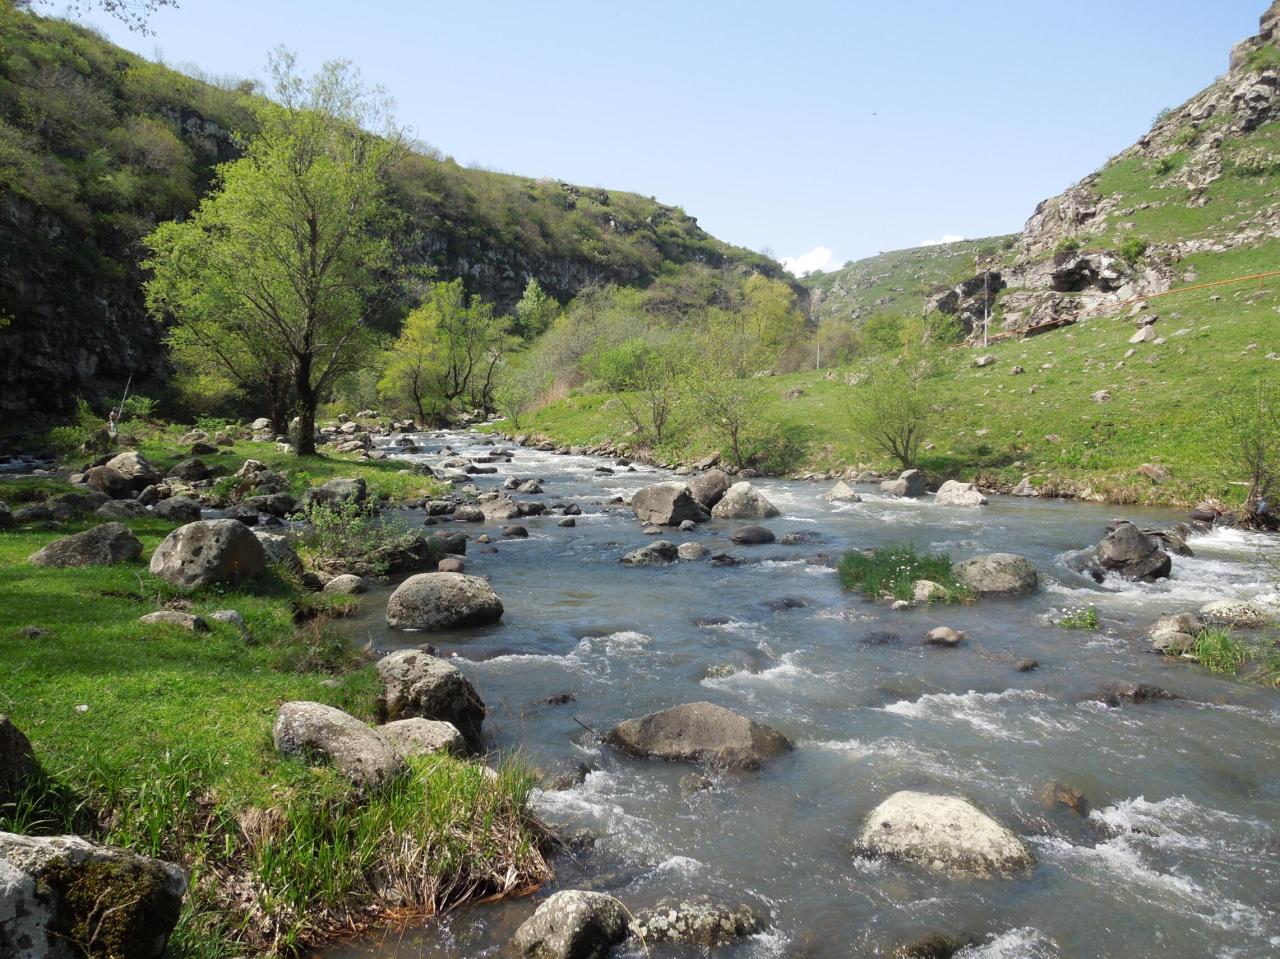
(1179, 856)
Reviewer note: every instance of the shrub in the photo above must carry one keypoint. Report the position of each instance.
(1133, 248)
(354, 538)
(1067, 246)
(894, 570)
(1165, 165)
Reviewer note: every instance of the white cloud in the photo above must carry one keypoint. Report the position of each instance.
(819, 258)
(946, 238)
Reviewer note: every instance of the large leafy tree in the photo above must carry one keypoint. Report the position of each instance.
(289, 258)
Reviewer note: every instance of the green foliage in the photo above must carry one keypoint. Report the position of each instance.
(1255, 161)
(1219, 651)
(1086, 617)
(1133, 248)
(82, 429)
(1187, 136)
(894, 416)
(893, 570)
(137, 407)
(1067, 246)
(353, 538)
(535, 312)
(1249, 441)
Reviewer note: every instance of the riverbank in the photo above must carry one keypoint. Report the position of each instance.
(159, 739)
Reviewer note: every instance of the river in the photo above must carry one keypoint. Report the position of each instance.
(1179, 857)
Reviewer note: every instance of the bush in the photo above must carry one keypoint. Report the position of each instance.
(894, 570)
(352, 537)
(1067, 246)
(1133, 248)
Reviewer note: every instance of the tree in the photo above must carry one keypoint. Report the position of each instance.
(415, 371)
(721, 397)
(647, 378)
(1250, 442)
(891, 412)
(290, 254)
(472, 341)
(534, 313)
(134, 14)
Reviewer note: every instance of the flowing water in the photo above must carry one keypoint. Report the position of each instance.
(1179, 857)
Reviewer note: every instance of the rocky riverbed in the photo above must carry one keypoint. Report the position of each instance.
(1081, 792)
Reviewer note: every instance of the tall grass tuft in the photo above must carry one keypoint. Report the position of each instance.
(894, 570)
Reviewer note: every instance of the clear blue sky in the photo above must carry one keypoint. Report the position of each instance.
(855, 126)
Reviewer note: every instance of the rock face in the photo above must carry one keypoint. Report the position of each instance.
(1131, 554)
(315, 731)
(700, 732)
(418, 685)
(572, 925)
(709, 487)
(60, 890)
(18, 764)
(443, 601)
(660, 552)
(998, 574)
(667, 504)
(946, 834)
(953, 493)
(423, 737)
(743, 501)
(909, 483)
(698, 922)
(207, 552)
(842, 492)
(103, 545)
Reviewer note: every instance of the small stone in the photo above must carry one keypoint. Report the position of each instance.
(168, 617)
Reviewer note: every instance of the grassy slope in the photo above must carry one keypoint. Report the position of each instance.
(174, 749)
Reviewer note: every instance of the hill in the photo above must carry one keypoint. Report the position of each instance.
(1079, 409)
(97, 145)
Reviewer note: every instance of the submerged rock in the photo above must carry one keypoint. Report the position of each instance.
(998, 574)
(946, 834)
(1055, 794)
(700, 732)
(572, 924)
(1116, 694)
(944, 636)
(698, 922)
(443, 601)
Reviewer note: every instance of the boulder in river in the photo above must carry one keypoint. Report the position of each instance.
(500, 508)
(752, 535)
(207, 552)
(346, 585)
(696, 922)
(909, 483)
(667, 504)
(103, 545)
(1116, 694)
(691, 551)
(998, 574)
(1234, 614)
(700, 732)
(56, 891)
(708, 488)
(313, 730)
(954, 493)
(842, 492)
(660, 552)
(572, 924)
(743, 501)
(443, 601)
(418, 685)
(944, 636)
(19, 767)
(1131, 554)
(1175, 634)
(947, 834)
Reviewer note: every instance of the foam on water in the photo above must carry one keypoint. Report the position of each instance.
(982, 711)
(1024, 943)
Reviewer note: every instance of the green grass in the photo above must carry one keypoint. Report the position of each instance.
(1219, 651)
(892, 571)
(160, 740)
(1084, 618)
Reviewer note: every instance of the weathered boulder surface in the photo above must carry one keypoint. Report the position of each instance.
(752, 535)
(18, 764)
(422, 737)
(1131, 554)
(842, 492)
(658, 553)
(346, 585)
(743, 501)
(418, 685)
(175, 618)
(667, 504)
(207, 552)
(998, 574)
(109, 481)
(1116, 694)
(944, 833)
(341, 490)
(700, 732)
(709, 487)
(136, 469)
(1234, 614)
(697, 922)
(314, 731)
(1175, 633)
(103, 545)
(59, 891)
(279, 551)
(909, 483)
(443, 601)
(178, 509)
(954, 493)
(572, 924)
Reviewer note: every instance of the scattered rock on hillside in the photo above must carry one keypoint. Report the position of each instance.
(743, 501)
(418, 685)
(56, 890)
(998, 574)
(700, 732)
(954, 493)
(572, 924)
(943, 833)
(443, 601)
(313, 730)
(207, 552)
(103, 545)
(667, 504)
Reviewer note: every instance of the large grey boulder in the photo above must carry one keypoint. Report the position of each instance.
(499, 509)
(700, 732)
(178, 509)
(697, 922)
(424, 737)
(752, 535)
(743, 501)
(103, 545)
(443, 601)
(1131, 554)
(57, 892)
(336, 492)
(708, 488)
(1175, 633)
(660, 552)
(842, 492)
(955, 493)
(190, 470)
(909, 483)
(136, 469)
(572, 924)
(314, 731)
(19, 767)
(667, 504)
(946, 834)
(998, 574)
(279, 551)
(109, 481)
(207, 552)
(418, 685)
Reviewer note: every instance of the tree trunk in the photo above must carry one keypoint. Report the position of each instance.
(304, 441)
(278, 393)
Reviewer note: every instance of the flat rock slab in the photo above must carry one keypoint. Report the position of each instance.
(700, 732)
